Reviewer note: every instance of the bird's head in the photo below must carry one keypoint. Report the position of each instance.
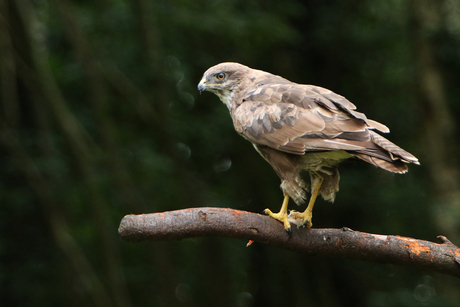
(223, 80)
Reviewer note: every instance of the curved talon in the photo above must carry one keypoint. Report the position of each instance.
(280, 216)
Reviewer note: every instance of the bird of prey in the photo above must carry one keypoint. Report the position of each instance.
(296, 128)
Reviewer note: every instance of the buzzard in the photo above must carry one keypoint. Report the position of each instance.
(297, 127)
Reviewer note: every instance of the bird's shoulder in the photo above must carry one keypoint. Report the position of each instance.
(274, 89)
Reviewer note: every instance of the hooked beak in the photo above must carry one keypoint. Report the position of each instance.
(202, 85)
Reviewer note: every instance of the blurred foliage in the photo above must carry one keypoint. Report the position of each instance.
(100, 117)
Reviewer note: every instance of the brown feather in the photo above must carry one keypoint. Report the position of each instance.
(395, 166)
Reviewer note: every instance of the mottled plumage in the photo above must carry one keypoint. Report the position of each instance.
(298, 127)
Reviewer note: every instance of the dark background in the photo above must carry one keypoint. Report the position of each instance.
(100, 117)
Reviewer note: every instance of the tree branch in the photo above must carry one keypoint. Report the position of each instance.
(338, 243)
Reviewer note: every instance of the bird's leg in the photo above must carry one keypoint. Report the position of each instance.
(305, 217)
(281, 216)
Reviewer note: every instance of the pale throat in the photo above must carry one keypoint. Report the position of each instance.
(226, 96)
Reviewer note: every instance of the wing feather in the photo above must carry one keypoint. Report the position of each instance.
(298, 118)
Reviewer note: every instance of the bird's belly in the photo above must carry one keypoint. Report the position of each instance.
(314, 161)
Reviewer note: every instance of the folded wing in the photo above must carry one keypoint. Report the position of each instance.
(302, 118)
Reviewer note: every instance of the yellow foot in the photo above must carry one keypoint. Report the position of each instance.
(280, 216)
(301, 218)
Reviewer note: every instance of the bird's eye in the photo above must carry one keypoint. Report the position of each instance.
(220, 76)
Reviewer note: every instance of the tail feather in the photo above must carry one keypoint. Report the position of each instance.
(396, 152)
(386, 155)
(396, 166)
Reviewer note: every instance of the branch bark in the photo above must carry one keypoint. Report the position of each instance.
(338, 243)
